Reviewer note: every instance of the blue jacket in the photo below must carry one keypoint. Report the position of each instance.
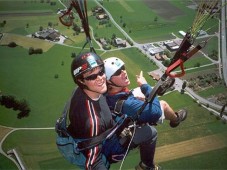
(151, 113)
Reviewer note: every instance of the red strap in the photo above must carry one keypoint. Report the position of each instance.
(172, 67)
(68, 12)
(180, 62)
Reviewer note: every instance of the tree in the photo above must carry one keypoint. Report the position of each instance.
(166, 62)
(23, 105)
(214, 54)
(30, 50)
(156, 19)
(197, 65)
(40, 28)
(167, 53)
(73, 55)
(10, 101)
(184, 85)
(50, 24)
(12, 44)
(124, 25)
(38, 51)
(113, 36)
(76, 28)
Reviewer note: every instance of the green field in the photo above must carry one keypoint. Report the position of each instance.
(33, 77)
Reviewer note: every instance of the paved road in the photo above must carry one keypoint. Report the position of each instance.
(223, 41)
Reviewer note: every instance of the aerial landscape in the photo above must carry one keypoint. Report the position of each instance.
(40, 38)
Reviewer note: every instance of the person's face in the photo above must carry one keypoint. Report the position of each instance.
(95, 80)
(120, 77)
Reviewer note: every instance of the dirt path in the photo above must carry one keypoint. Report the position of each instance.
(3, 132)
(190, 147)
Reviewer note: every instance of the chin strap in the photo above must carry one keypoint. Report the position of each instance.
(113, 84)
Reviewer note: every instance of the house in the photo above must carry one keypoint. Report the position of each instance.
(98, 10)
(158, 57)
(154, 50)
(164, 57)
(102, 16)
(119, 42)
(182, 33)
(103, 41)
(154, 75)
(171, 45)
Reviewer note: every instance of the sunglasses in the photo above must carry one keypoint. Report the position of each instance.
(94, 76)
(118, 72)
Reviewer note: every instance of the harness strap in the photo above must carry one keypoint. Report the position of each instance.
(89, 143)
(119, 105)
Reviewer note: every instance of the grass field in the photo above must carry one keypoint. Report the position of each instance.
(172, 16)
(32, 77)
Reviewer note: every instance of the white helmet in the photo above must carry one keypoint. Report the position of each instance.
(111, 65)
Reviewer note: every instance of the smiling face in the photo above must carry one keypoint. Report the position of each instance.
(121, 78)
(95, 80)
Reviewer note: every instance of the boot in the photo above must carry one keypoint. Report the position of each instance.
(181, 116)
(142, 166)
(165, 86)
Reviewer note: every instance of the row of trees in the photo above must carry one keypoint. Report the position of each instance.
(31, 51)
(10, 101)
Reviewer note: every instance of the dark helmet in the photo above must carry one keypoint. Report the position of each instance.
(84, 63)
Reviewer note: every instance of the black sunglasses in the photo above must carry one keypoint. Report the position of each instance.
(118, 72)
(94, 76)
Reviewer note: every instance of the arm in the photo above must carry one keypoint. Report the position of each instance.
(151, 112)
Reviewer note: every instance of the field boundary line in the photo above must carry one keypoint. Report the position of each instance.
(126, 6)
(189, 147)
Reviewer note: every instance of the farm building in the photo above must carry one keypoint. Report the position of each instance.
(98, 9)
(155, 50)
(102, 16)
(154, 75)
(160, 57)
(182, 33)
(173, 45)
(119, 42)
(48, 34)
(103, 41)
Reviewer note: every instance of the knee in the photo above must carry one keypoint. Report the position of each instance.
(153, 135)
(164, 104)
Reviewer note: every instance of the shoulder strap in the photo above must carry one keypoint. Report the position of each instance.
(61, 124)
(119, 104)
